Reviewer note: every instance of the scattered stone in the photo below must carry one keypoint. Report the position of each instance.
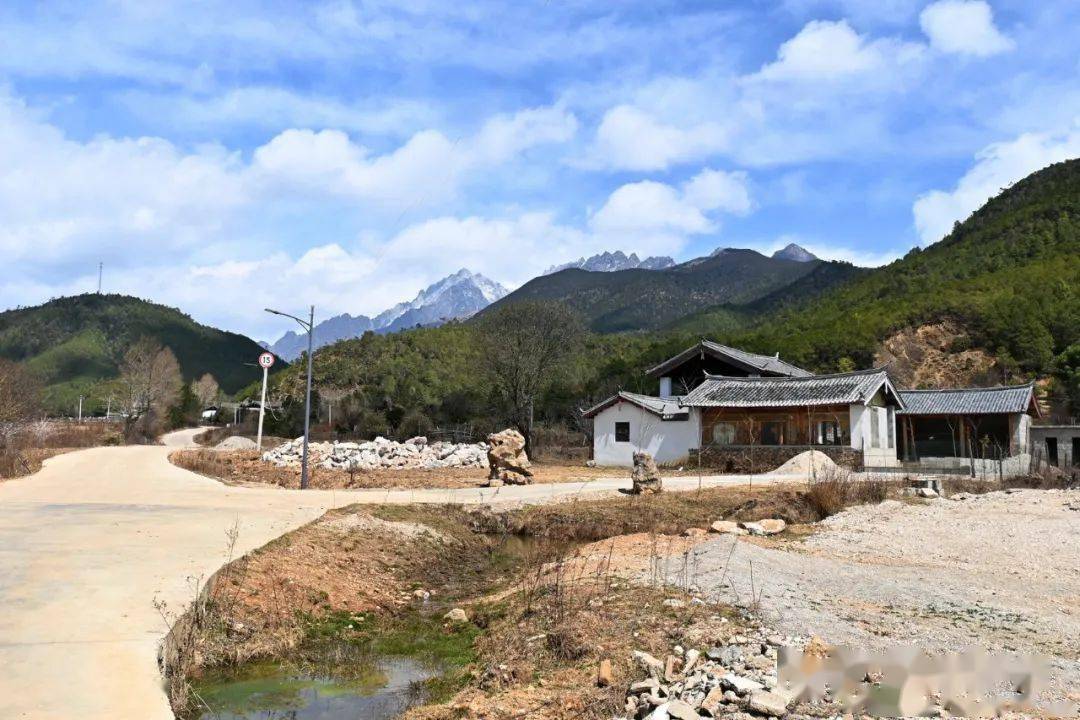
(646, 476)
(671, 669)
(649, 664)
(771, 526)
(380, 454)
(742, 685)
(507, 460)
(674, 603)
(768, 703)
(604, 676)
(690, 659)
(713, 700)
(680, 710)
(694, 532)
(421, 594)
(457, 615)
(726, 527)
(928, 493)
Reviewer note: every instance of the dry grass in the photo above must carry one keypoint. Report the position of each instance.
(667, 513)
(835, 489)
(24, 448)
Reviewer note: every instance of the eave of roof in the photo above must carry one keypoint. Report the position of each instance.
(751, 362)
(762, 392)
(663, 408)
(1004, 399)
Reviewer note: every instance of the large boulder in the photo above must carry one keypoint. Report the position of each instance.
(646, 475)
(507, 461)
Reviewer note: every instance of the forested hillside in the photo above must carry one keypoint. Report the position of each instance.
(1009, 275)
(74, 344)
(628, 300)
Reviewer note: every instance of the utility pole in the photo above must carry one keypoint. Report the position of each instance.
(108, 407)
(80, 408)
(309, 326)
(100, 267)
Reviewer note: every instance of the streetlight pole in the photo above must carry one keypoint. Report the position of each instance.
(309, 326)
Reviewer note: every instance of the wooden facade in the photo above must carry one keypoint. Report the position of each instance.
(804, 427)
(987, 436)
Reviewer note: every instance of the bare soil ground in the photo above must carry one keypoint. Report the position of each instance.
(999, 571)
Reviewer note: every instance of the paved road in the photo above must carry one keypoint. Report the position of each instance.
(89, 544)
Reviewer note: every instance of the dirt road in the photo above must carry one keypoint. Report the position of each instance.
(89, 544)
(999, 571)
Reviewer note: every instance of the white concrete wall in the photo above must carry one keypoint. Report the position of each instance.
(668, 441)
(1021, 434)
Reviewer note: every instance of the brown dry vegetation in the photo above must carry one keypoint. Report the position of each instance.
(245, 466)
(27, 446)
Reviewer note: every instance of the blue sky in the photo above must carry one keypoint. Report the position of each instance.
(221, 157)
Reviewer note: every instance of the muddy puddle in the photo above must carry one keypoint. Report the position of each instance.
(374, 690)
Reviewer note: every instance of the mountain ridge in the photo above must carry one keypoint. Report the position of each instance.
(613, 261)
(454, 297)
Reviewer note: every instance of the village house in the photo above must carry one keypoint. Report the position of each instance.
(726, 408)
(983, 430)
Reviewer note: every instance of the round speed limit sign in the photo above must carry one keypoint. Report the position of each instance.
(266, 360)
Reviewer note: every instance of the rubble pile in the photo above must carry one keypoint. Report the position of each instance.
(734, 680)
(381, 454)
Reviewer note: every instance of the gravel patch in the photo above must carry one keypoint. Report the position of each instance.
(999, 571)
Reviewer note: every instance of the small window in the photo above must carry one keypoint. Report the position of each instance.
(622, 432)
(723, 433)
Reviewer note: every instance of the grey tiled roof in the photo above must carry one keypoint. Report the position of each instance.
(664, 407)
(838, 389)
(963, 401)
(770, 364)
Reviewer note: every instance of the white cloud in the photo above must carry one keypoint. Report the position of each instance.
(632, 139)
(997, 166)
(719, 190)
(654, 217)
(429, 167)
(827, 50)
(964, 27)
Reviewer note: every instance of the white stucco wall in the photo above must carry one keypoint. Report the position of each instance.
(882, 455)
(668, 441)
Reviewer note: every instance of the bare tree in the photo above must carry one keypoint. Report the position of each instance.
(20, 393)
(206, 390)
(150, 377)
(526, 345)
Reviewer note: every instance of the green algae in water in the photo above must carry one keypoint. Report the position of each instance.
(271, 691)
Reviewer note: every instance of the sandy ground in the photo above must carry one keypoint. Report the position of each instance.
(999, 571)
(89, 544)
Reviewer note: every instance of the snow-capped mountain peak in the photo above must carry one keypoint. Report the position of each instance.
(614, 261)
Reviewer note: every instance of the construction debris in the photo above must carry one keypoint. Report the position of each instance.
(380, 454)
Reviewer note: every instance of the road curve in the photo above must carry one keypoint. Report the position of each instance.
(93, 540)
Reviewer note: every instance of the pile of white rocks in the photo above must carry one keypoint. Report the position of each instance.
(381, 454)
(737, 680)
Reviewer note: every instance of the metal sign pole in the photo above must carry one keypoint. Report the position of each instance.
(266, 361)
(262, 407)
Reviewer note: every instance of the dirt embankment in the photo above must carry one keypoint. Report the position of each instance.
(938, 355)
(243, 467)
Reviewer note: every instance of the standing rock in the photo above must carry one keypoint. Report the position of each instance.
(604, 675)
(646, 475)
(457, 615)
(726, 527)
(507, 460)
